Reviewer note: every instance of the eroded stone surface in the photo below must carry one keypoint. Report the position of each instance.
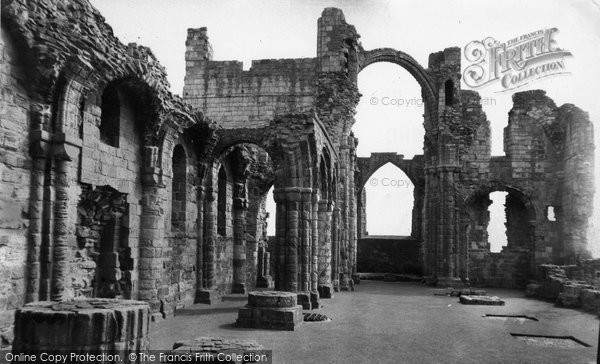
(272, 299)
(271, 310)
(184, 218)
(481, 300)
(106, 325)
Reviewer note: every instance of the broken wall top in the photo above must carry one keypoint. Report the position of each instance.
(71, 38)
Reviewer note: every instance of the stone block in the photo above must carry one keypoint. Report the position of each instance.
(590, 300)
(325, 291)
(208, 296)
(481, 300)
(532, 290)
(279, 311)
(270, 318)
(207, 349)
(304, 300)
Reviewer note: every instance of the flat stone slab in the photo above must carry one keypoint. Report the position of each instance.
(216, 345)
(275, 299)
(217, 350)
(459, 292)
(481, 300)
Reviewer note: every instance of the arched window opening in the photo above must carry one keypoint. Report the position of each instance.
(271, 208)
(323, 181)
(497, 222)
(389, 202)
(179, 189)
(222, 203)
(449, 92)
(389, 116)
(550, 213)
(110, 116)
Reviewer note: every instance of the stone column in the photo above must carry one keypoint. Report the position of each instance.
(314, 252)
(325, 286)
(344, 235)
(280, 239)
(294, 234)
(263, 274)
(201, 195)
(335, 260)
(152, 231)
(208, 294)
(65, 150)
(240, 206)
(39, 150)
(352, 215)
(36, 204)
(442, 251)
(293, 241)
(60, 251)
(305, 245)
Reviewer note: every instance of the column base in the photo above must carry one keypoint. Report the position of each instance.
(304, 300)
(336, 286)
(346, 284)
(239, 288)
(314, 299)
(208, 296)
(355, 278)
(271, 310)
(286, 318)
(264, 282)
(326, 290)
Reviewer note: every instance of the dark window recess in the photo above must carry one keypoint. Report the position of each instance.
(449, 92)
(222, 203)
(179, 189)
(109, 119)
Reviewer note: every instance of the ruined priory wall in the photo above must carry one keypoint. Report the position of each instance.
(180, 251)
(15, 169)
(250, 99)
(549, 152)
(576, 203)
(117, 167)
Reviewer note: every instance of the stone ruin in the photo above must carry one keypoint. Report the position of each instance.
(113, 187)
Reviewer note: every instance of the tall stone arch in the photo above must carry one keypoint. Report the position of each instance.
(390, 55)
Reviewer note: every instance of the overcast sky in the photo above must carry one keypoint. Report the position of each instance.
(246, 30)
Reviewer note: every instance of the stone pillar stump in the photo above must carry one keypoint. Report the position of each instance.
(91, 326)
(271, 310)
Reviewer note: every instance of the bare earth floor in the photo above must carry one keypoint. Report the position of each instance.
(402, 323)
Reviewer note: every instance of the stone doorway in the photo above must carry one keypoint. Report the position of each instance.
(103, 262)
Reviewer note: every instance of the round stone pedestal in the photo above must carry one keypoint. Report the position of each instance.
(91, 326)
(271, 310)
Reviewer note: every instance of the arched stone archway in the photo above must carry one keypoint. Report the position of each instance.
(514, 265)
(390, 55)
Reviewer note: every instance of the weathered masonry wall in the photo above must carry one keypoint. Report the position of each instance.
(88, 203)
(15, 182)
(245, 99)
(389, 254)
(549, 154)
(110, 186)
